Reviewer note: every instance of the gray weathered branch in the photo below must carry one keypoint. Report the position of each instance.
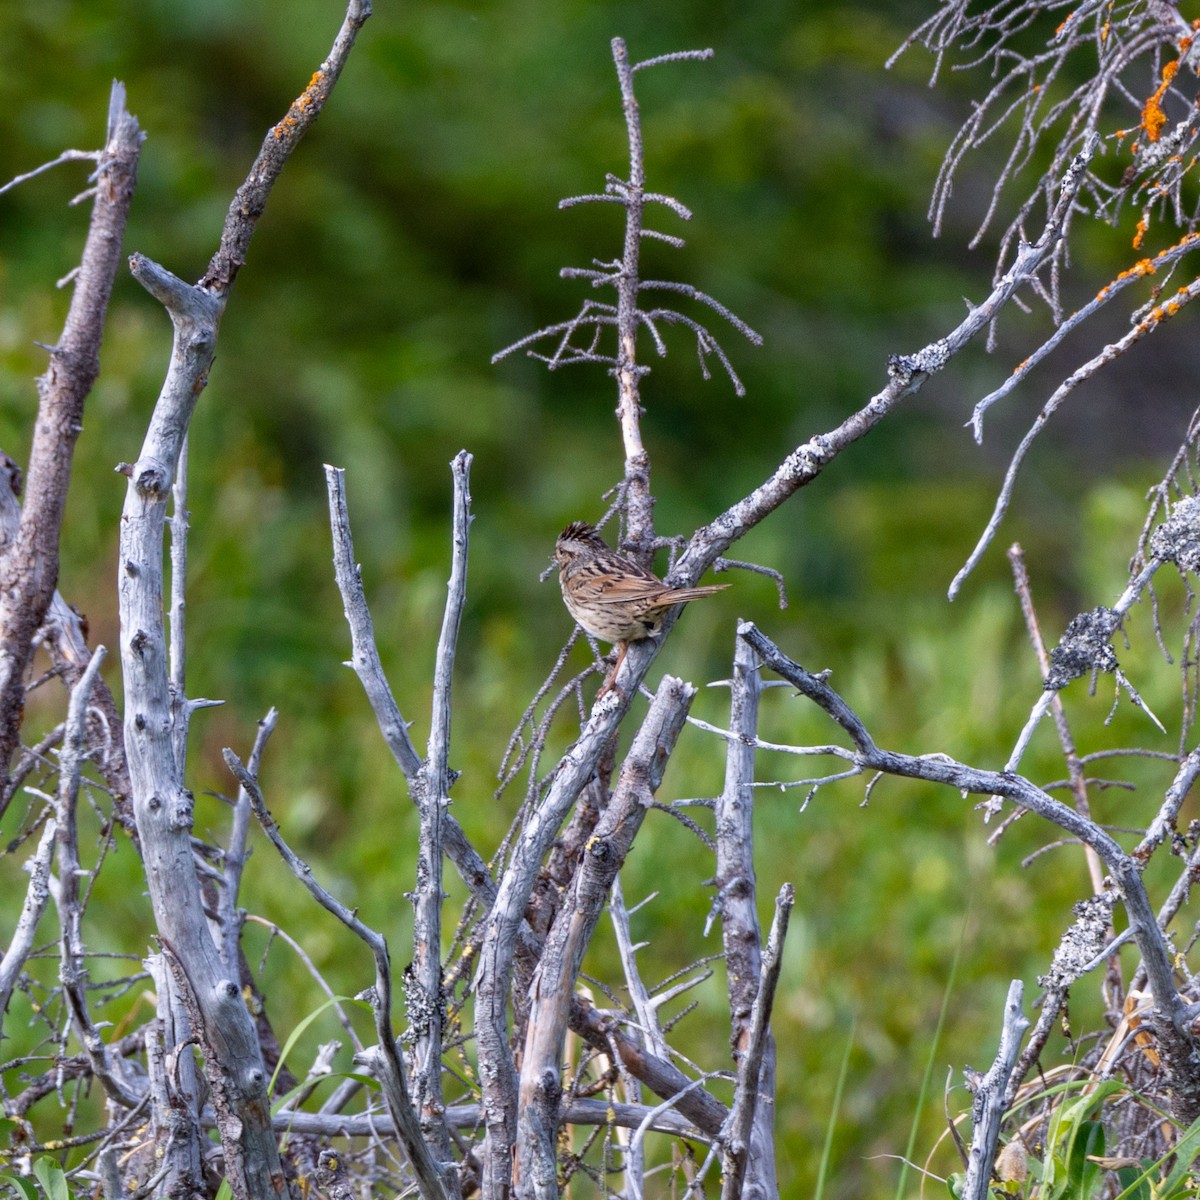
(163, 805)
(385, 1059)
(988, 1107)
(1172, 1017)
(106, 1067)
(426, 1004)
(906, 374)
(750, 1134)
(750, 1153)
(63, 637)
(29, 572)
(20, 945)
(562, 956)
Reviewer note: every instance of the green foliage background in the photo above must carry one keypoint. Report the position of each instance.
(413, 235)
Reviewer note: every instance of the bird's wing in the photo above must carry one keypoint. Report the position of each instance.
(620, 589)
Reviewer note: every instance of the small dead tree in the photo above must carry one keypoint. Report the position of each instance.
(506, 995)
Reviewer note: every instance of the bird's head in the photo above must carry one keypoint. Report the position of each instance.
(578, 540)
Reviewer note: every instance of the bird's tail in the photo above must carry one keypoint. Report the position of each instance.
(681, 595)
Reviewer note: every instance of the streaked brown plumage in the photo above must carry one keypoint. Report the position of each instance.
(609, 595)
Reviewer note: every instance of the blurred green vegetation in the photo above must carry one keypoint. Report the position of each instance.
(412, 236)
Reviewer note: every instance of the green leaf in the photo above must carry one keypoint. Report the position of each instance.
(1186, 1151)
(23, 1186)
(224, 1192)
(1084, 1177)
(50, 1175)
(910, 1152)
(295, 1034)
(1062, 1137)
(1134, 1182)
(823, 1170)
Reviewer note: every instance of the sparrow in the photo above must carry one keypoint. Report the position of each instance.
(609, 595)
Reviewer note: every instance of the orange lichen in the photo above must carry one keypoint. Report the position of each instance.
(307, 98)
(1144, 266)
(1153, 117)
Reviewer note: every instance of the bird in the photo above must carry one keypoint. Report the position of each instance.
(610, 596)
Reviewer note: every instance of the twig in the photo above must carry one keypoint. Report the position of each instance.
(988, 1107)
(1172, 1018)
(29, 572)
(1075, 772)
(65, 157)
(72, 973)
(662, 1119)
(750, 1080)
(365, 661)
(425, 994)
(236, 855)
(20, 945)
(750, 1150)
(1157, 315)
(176, 615)
(386, 1058)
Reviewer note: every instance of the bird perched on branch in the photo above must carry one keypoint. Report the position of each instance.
(609, 595)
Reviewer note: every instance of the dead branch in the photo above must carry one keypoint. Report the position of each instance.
(29, 571)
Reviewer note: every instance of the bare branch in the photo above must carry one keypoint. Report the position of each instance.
(989, 1102)
(63, 637)
(72, 973)
(1157, 315)
(282, 138)
(907, 374)
(65, 157)
(750, 1148)
(562, 956)
(431, 1179)
(365, 661)
(20, 945)
(744, 1177)
(425, 993)
(236, 854)
(29, 572)
(1172, 1017)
